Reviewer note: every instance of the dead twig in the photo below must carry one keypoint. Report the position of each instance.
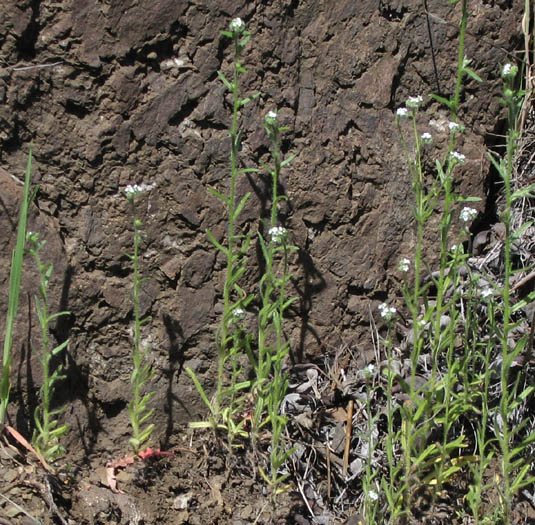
(349, 431)
(328, 456)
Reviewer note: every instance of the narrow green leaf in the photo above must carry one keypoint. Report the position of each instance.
(200, 389)
(287, 161)
(218, 195)
(472, 74)
(213, 240)
(223, 79)
(14, 290)
(446, 101)
(241, 205)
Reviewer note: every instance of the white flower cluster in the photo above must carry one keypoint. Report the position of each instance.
(277, 234)
(414, 102)
(404, 265)
(455, 127)
(373, 495)
(237, 25)
(369, 370)
(468, 214)
(238, 313)
(509, 71)
(387, 312)
(271, 116)
(486, 292)
(135, 189)
(457, 157)
(427, 138)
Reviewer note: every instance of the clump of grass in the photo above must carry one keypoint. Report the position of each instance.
(48, 432)
(142, 372)
(14, 292)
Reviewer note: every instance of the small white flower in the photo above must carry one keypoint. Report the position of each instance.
(468, 214)
(238, 313)
(453, 248)
(427, 138)
(509, 71)
(271, 118)
(457, 157)
(420, 324)
(404, 265)
(373, 495)
(237, 25)
(402, 113)
(370, 369)
(133, 190)
(455, 127)
(414, 102)
(277, 234)
(387, 312)
(486, 292)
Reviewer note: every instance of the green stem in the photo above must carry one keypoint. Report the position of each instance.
(227, 288)
(136, 350)
(14, 292)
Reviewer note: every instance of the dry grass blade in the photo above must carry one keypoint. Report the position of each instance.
(16, 435)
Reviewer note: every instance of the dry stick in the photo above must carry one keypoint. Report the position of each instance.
(37, 66)
(523, 281)
(529, 73)
(349, 428)
(328, 456)
(305, 499)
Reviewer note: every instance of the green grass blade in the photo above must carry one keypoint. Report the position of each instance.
(14, 290)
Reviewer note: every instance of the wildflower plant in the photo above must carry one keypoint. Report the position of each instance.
(14, 292)
(48, 432)
(138, 408)
(271, 380)
(231, 339)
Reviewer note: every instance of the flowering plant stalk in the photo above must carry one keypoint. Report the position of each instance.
(231, 341)
(142, 372)
(514, 467)
(14, 292)
(47, 433)
(271, 381)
